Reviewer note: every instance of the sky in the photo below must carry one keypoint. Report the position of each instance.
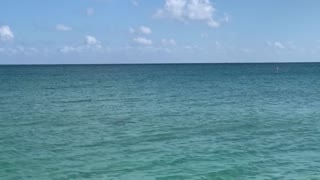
(158, 31)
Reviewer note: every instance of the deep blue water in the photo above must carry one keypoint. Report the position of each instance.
(187, 121)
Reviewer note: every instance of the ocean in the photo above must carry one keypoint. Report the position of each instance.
(160, 122)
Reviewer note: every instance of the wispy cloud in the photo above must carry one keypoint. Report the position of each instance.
(145, 30)
(67, 49)
(20, 50)
(279, 45)
(168, 42)
(90, 44)
(142, 41)
(142, 30)
(275, 44)
(61, 27)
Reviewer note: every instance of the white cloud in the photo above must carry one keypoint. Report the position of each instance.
(91, 41)
(143, 41)
(170, 42)
(67, 49)
(276, 44)
(174, 9)
(61, 27)
(197, 10)
(90, 44)
(6, 34)
(90, 11)
(83, 49)
(200, 10)
(141, 30)
(145, 30)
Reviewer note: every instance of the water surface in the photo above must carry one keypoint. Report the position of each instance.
(162, 122)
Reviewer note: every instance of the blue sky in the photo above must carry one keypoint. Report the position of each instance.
(158, 31)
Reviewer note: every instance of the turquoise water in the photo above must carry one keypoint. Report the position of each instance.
(163, 122)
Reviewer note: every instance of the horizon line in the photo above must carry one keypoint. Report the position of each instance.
(183, 63)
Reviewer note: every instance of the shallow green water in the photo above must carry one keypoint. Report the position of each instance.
(224, 121)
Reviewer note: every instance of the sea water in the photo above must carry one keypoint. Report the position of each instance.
(160, 122)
